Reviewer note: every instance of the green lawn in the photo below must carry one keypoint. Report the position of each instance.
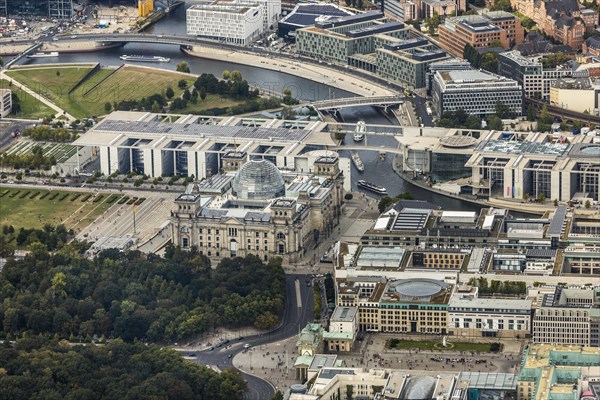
(22, 207)
(128, 83)
(436, 346)
(31, 108)
(211, 101)
(133, 83)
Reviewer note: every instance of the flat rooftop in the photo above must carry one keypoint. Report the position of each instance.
(467, 76)
(459, 301)
(345, 314)
(573, 84)
(308, 14)
(153, 128)
(525, 147)
(474, 23)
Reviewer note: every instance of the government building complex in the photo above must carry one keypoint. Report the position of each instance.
(258, 210)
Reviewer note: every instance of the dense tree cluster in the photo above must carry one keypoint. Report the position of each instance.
(32, 160)
(499, 287)
(501, 5)
(46, 133)
(387, 201)
(459, 119)
(487, 60)
(146, 103)
(553, 60)
(38, 368)
(137, 296)
(49, 237)
(232, 86)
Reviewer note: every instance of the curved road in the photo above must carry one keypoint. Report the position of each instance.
(297, 313)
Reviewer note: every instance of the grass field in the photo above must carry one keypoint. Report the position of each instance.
(32, 208)
(128, 83)
(436, 346)
(31, 108)
(211, 101)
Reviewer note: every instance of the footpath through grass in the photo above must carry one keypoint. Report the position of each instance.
(400, 344)
(33, 208)
(128, 83)
(31, 108)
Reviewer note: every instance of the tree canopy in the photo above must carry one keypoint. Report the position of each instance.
(38, 368)
(134, 296)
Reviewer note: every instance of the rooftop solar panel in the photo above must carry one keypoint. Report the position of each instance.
(242, 132)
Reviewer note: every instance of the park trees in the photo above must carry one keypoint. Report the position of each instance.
(42, 368)
(183, 66)
(133, 296)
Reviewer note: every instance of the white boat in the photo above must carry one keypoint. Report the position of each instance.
(372, 187)
(361, 129)
(43, 55)
(144, 58)
(357, 162)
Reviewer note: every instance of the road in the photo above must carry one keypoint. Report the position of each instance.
(8, 126)
(297, 313)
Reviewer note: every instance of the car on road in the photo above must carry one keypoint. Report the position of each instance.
(192, 355)
(247, 345)
(229, 356)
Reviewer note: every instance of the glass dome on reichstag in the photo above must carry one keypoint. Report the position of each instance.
(258, 179)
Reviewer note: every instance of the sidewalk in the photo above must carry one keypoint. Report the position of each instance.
(331, 76)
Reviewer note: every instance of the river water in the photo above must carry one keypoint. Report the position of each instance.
(376, 170)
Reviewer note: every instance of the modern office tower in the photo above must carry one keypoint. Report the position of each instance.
(60, 9)
(476, 92)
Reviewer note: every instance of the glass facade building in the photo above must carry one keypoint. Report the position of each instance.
(448, 166)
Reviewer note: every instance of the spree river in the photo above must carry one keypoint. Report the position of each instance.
(376, 170)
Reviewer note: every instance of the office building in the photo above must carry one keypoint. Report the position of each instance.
(494, 29)
(472, 316)
(428, 228)
(515, 33)
(254, 211)
(369, 41)
(59, 9)
(475, 92)
(5, 102)
(407, 61)
(307, 14)
(203, 146)
(535, 165)
(450, 64)
(239, 22)
(576, 94)
(530, 73)
(343, 329)
(559, 372)
(568, 316)
(402, 10)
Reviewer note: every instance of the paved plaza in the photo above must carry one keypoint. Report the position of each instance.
(274, 362)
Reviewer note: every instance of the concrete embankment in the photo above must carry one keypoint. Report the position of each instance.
(332, 76)
(83, 46)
